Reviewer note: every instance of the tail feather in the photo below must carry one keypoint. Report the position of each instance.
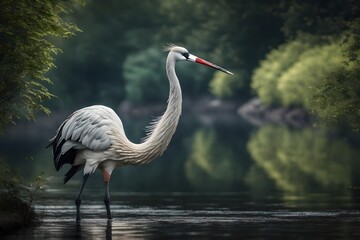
(57, 142)
(73, 170)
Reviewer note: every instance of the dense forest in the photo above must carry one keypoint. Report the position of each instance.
(288, 53)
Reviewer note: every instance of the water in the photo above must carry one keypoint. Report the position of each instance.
(209, 153)
(293, 183)
(197, 215)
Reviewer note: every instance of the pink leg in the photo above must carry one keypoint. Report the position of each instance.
(106, 177)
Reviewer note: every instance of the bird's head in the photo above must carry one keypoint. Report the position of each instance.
(182, 54)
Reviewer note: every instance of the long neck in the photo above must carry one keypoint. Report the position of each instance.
(162, 130)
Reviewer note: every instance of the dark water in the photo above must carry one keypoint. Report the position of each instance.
(198, 215)
(314, 173)
(216, 153)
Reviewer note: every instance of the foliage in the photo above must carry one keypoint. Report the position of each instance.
(337, 97)
(290, 74)
(144, 78)
(266, 76)
(96, 71)
(320, 18)
(223, 85)
(302, 160)
(317, 68)
(297, 84)
(27, 54)
(92, 70)
(16, 200)
(9, 180)
(233, 34)
(302, 43)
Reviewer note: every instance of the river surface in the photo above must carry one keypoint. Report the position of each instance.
(197, 216)
(284, 183)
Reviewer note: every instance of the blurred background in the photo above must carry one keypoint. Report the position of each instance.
(286, 122)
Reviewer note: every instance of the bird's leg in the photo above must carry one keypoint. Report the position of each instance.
(107, 201)
(106, 177)
(78, 197)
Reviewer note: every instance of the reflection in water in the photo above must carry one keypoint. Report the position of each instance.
(218, 216)
(108, 230)
(211, 164)
(302, 160)
(78, 229)
(216, 156)
(92, 229)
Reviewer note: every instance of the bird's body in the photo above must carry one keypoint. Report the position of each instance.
(94, 138)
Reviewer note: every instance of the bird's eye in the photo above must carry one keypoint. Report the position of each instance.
(186, 55)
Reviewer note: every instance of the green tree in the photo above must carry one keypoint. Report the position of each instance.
(234, 34)
(319, 18)
(111, 32)
(322, 74)
(291, 73)
(145, 78)
(223, 85)
(146, 81)
(298, 84)
(220, 31)
(26, 54)
(266, 77)
(337, 97)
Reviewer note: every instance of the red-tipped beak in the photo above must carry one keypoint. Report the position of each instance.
(193, 58)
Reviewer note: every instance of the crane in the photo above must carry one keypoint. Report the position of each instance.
(94, 138)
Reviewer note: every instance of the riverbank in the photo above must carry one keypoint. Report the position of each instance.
(15, 214)
(9, 223)
(16, 201)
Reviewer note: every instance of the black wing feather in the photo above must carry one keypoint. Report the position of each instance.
(60, 160)
(73, 170)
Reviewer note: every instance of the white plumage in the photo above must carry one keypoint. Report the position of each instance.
(92, 128)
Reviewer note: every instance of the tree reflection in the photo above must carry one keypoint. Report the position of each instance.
(302, 160)
(211, 164)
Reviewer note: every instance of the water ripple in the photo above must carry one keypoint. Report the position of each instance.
(177, 216)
